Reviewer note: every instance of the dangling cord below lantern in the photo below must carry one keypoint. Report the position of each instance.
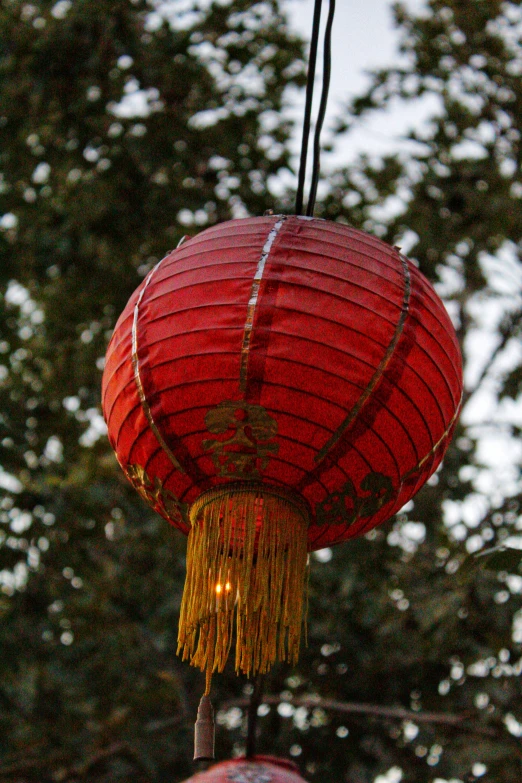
(255, 701)
(204, 728)
(308, 108)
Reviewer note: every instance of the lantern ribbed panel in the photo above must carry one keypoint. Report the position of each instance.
(297, 352)
(260, 769)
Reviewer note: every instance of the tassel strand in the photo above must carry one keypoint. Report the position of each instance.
(246, 567)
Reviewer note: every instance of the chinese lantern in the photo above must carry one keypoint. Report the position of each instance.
(274, 386)
(260, 769)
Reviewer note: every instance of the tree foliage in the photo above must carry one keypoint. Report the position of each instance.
(123, 126)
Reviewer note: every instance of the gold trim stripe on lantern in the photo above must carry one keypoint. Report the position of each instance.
(252, 302)
(137, 376)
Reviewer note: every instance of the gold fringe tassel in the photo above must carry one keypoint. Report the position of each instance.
(246, 560)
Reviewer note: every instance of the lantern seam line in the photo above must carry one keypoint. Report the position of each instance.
(139, 383)
(338, 260)
(137, 376)
(276, 482)
(222, 229)
(345, 354)
(252, 302)
(342, 378)
(390, 412)
(212, 380)
(343, 300)
(432, 451)
(374, 244)
(289, 283)
(275, 458)
(278, 458)
(307, 338)
(379, 372)
(351, 356)
(377, 377)
(420, 464)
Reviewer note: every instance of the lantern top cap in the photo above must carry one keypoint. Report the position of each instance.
(284, 763)
(259, 768)
(260, 759)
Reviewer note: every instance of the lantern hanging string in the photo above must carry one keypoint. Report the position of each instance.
(327, 62)
(327, 68)
(312, 60)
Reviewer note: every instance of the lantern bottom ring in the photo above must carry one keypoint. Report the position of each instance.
(260, 489)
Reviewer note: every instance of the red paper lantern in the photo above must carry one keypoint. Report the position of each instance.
(276, 385)
(260, 769)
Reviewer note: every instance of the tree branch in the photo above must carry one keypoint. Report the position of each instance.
(507, 331)
(116, 749)
(375, 711)
(78, 770)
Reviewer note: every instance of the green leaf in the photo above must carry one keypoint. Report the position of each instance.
(501, 558)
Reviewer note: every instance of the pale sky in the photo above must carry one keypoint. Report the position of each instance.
(363, 38)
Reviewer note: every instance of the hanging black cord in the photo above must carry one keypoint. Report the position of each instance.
(255, 701)
(327, 68)
(308, 107)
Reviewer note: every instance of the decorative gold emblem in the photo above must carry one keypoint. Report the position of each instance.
(347, 505)
(247, 450)
(250, 774)
(153, 491)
